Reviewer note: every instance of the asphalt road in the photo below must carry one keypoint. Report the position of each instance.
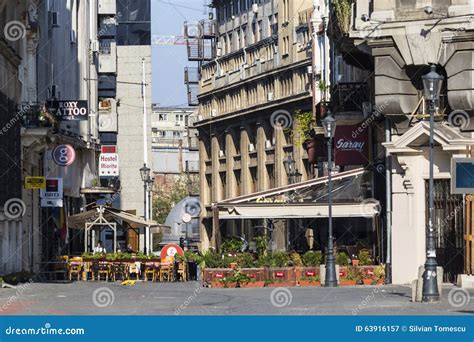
(93, 298)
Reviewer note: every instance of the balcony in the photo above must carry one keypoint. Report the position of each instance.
(32, 116)
(193, 91)
(191, 75)
(349, 97)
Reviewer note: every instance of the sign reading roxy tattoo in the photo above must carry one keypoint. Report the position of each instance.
(71, 110)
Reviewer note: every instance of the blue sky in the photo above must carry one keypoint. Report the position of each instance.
(169, 61)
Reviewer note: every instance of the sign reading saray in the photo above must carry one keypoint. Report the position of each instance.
(351, 146)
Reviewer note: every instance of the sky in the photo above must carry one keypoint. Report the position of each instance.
(169, 61)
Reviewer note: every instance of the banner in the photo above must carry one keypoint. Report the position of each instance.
(72, 110)
(351, 145)
(35, 183)
(52, 195)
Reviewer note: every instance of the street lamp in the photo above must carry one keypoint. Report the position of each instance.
(329, 125)
(432, 83)
(291, 171)
(145, 174)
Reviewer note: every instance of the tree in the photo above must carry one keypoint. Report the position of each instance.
(165, 198)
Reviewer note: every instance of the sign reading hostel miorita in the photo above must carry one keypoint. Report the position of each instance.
(72, 110)
(109, 165)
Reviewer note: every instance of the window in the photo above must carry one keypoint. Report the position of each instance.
(134, 22)
(244, 36)
(162, 117)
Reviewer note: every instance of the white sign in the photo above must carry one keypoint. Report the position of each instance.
(52, 194)
(108, 165)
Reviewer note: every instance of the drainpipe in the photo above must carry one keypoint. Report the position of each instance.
(388, 189)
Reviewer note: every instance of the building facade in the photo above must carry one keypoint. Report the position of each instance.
(174, 144)
(263, 79)
(403, 38)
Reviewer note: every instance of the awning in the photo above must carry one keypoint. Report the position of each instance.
(279, 211)
(306, 199)
(78, 221)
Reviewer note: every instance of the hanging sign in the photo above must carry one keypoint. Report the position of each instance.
(35, 183)
(64, 155)
(109, 165)
(351, 146)
(52, 194)
(73, 110)
(170, 250)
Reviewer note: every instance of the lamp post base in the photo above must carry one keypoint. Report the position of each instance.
(430, 292)
(331, 276)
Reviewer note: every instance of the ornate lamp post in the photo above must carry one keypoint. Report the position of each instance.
(145, 174)
(432, 83)
(329, 125)
(293, 175)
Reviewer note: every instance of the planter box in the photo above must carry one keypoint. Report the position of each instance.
(305, 283)
(281, 275)
(368, 281)
(214, 274)
(282, 284)
(254, 284)
(307, 272)
(256, 274)
(221, 285)
(345, 282)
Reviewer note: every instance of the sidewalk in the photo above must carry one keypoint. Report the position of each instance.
(92, 298)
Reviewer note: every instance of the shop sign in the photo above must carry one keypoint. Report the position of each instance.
(310, 273)
(64, 155)
(270, 200)
(109, 165)
(52, 194)
(72, 110)
(34, 183)
(279, 274)
(219, 275)
(462, 180)
(351, 146)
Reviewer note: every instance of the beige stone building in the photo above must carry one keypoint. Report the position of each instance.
(257, 69)
(404, 38)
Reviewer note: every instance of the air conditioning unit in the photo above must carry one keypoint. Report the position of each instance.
(214, 112)
(54, 91)
(309, 69)
(200, 117)
(218, 52)
(219, 45)
(270, 96)
(251, 148)
(221, 154)
(255, 8)
(54, 19)
(154, 140)
(95, 45)
(221, 72)
(268, 144)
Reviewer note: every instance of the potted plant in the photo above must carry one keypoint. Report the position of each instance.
(302, 133)
(352, 278)
(354, 260)
(342, 259)
(313, 258)
(309, 281)
(379, 273)
(364, 257)
(343, 12)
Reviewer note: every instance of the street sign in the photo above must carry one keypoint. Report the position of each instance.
(108, 165)
(72, 110)
(462, 175)
(64, 155)
(34, 183)
(108, 149)
(52, 195)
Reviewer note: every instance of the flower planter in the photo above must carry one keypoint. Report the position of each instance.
(282, 284)
(345, 282)
(217, 284)
(311, 147)
(355, 262)
(252, 284)
(380, 281)
(305, 283)
(367, 281)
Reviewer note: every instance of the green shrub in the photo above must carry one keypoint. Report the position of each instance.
(342, 259)
(245, 260)
(354, 274)
(279, 259)
(262, 245)
(232, 245)
(313, 258)
(212, 259)
(364, 257)
(296, 258)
